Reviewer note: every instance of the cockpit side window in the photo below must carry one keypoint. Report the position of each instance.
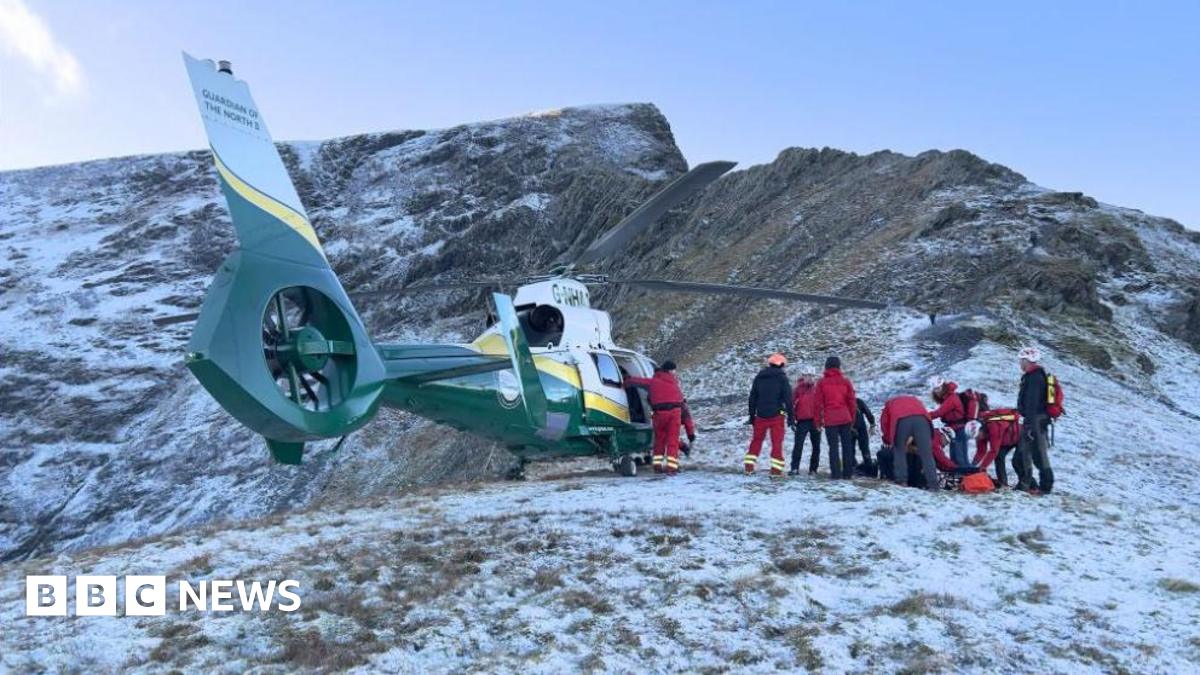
(607, 369)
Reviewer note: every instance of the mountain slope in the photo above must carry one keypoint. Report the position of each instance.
(581, 570)
(105, 437)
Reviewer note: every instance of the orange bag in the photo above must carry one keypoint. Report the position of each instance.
(977, 483)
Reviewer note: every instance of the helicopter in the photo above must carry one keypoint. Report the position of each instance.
(279, 345)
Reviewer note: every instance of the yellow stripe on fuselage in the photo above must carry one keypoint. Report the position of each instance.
(283, 212)
(593, 401)
(493, 343)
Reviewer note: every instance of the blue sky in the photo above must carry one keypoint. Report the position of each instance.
(1099, 97)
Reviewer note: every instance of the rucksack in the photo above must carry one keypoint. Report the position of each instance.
(970, 403)
(977, 483)
(1054, 397)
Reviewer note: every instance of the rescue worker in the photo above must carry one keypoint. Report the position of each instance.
(904, 422)
(1035, 424)
(999, 434)
(861, 435)
(770, 407)
(835, 408)
(804, 424)
(667, 402)
(952, 413)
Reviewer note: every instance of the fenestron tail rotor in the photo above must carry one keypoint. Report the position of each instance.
(305, 350)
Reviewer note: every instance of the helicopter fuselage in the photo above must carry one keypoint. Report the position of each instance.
(578, 366)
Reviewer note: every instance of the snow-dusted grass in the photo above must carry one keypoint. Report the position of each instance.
(579, 569)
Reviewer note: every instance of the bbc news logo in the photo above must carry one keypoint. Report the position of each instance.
(146, 595)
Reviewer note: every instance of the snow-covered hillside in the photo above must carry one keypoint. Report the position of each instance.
(581, 570)
(106, 441)
(105, 437)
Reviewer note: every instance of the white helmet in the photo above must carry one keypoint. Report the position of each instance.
(935, 382)
(1031, 354)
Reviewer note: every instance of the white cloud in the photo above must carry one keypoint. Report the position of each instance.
(25, 36)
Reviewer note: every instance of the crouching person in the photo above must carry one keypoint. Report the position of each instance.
(904, 421)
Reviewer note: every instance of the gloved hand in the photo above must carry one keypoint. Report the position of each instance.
(691, 438)
(751, 420)
(791, 423)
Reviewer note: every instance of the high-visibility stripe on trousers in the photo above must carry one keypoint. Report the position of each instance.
(763, 426)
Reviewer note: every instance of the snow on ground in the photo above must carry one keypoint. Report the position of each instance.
(578, 569)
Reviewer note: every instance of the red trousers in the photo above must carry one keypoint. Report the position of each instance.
(666, 438)
(762, 425)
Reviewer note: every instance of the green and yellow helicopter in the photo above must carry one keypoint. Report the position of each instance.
(279, 345)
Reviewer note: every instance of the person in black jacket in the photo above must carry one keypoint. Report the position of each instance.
(862, 435)
(770, 407)
(1035, 424)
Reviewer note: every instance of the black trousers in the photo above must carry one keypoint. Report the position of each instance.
(841, 451)
(1034, 451)
(864, 441)
(806, 428)
(1001, 471)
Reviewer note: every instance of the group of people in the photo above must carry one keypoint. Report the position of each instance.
(921, 447)
(915, 439)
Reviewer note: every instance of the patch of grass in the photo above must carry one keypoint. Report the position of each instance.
(675, 522)
(974, 521)
(308, 649)
(920, 603)
(1034, 540)
(799, 640)
(546, 579)
(1038, 593)
(364, 574)
(581, 599)
(1178, 585)
(746, 657)
(794, 565)
(324, 584)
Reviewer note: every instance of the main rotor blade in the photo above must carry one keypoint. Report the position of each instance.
(376, 293)
(431, 286)
(652, 209)
(746, 291)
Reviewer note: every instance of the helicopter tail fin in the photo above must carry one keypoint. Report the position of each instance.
(549, 425)
(277, 342)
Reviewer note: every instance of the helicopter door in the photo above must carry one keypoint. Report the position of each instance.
(603, 391)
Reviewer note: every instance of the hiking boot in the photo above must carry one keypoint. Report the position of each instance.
(812, 472)
(794, 472)
(749, 471)
(658, 469)
(775, 475)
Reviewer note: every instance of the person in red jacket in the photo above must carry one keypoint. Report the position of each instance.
(952, 413)
(835, 409)
(667, 402)
(904, 423)
(804, 410)
(999, 434)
